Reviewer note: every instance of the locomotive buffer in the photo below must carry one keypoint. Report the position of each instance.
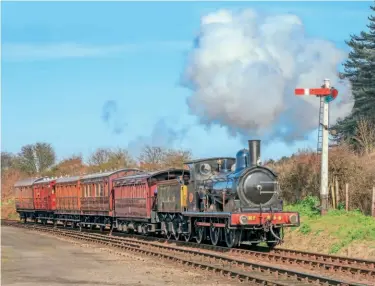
(326, 94)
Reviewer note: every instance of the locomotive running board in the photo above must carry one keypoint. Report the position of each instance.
(207, 214)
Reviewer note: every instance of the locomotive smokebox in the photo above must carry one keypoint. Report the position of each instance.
(254, 152)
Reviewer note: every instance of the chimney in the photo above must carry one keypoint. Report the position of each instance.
(254, 152)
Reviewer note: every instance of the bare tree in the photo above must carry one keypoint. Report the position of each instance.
(106, 159)
(99, 157)
(176, 158)
(365, 136)
(154, 158)
(7, 160)
(151, 158)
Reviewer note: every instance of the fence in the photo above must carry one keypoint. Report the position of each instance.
(336, 199)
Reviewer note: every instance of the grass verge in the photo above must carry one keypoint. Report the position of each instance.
(338, 232)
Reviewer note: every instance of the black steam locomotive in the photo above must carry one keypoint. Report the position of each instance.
(231, 200)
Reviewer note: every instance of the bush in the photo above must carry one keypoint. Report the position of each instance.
(306, 207)
(299, 176)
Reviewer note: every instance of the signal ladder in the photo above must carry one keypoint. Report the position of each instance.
(320, 130)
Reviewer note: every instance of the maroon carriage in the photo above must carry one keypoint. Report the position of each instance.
(44, 199)
(68, 200)
(97, 197)
(135, 199)
(23, 191)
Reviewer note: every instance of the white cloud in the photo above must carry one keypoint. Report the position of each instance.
(50, 51)
(245, 68)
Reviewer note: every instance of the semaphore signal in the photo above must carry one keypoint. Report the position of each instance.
(326, 94)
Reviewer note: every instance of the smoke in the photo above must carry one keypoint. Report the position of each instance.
(112, 117)
(162, 135)
(243, 71)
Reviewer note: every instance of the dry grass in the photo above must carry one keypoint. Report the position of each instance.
(300, 176)
(8, 178)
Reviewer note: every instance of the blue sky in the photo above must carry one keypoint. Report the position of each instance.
(66, 63)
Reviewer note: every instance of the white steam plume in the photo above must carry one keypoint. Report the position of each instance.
(245, 67)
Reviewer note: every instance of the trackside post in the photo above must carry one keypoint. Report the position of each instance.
(330, 94)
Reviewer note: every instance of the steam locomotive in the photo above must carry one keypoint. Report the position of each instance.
(215, 200)
(230, 200)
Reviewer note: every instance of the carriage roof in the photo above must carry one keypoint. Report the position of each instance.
(26, 182)
(147, 175)
(64, 180)
(107, 173)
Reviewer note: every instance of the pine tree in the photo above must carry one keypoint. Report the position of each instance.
(359, 69)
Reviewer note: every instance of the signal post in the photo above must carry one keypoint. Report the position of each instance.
(329, 94)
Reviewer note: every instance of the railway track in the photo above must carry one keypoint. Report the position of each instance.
(242, 264)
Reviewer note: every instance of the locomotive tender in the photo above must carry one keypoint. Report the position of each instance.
(215, 200)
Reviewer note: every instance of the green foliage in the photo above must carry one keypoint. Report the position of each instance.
(341, 206)
(359, 69)
(35, 158)
(305, 228)
(306, 207)
(346, 227)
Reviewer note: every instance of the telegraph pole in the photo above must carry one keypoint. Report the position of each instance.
(329, 94)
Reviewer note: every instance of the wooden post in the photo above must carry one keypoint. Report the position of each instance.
(347, 197)
(337, 192)
(373, 202)
(333, 197)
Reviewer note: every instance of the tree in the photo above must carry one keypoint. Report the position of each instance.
(359, 69)
(365, 136)
(151, 158)
(7, 160)
(107, 159)
(35, 159)
(71, 166)
(154, 158)
(176, 158)
(99, 157)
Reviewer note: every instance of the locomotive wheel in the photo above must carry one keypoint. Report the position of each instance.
(215, 235)
(175, 232)
(231, 237)
(169, 235)
(144, 229)
(177, 236)
(187, 237)
(201, 232)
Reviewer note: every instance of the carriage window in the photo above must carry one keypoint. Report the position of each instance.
(101, 190)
